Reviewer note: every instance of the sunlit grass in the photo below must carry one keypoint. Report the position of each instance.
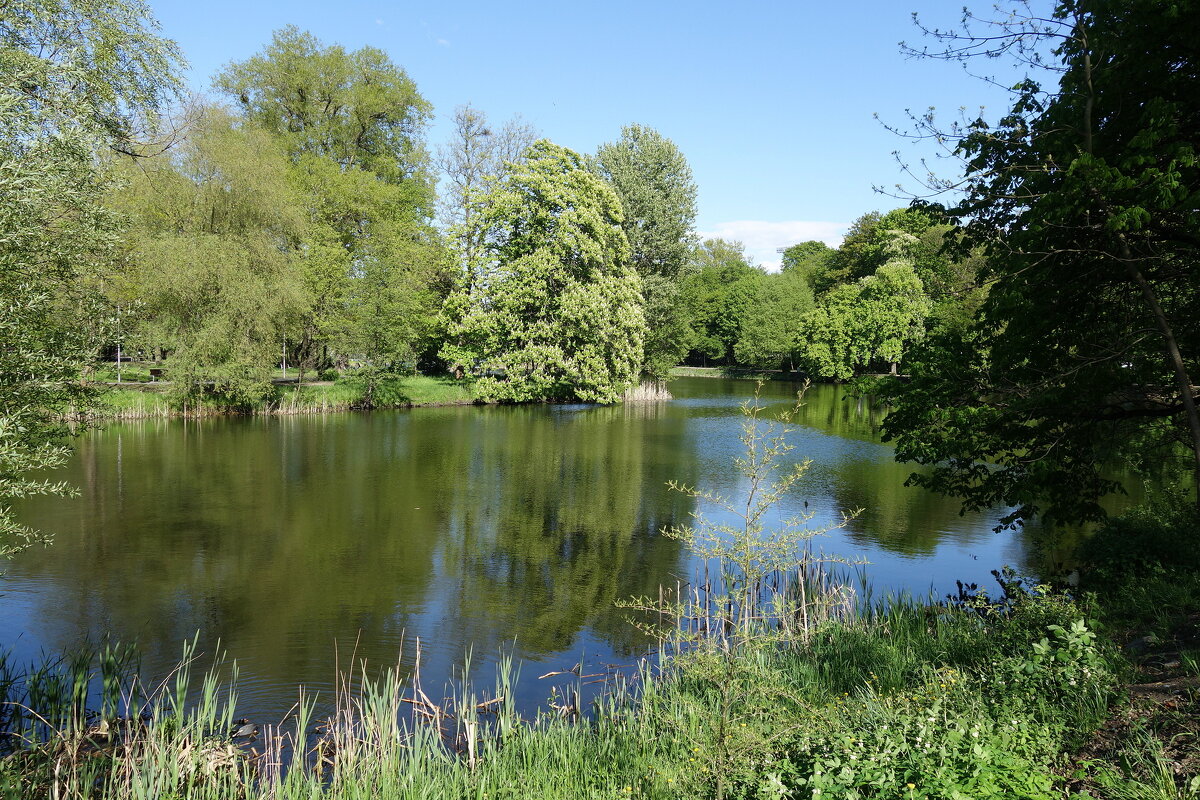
(345, 394)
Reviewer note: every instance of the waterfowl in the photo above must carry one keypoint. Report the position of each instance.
(245, 729)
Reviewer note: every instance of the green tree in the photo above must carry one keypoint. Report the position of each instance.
(1085, 198)
(475, 153)
(214, 262)
(809, 259)
(718, 294)
(769, 336)
(871, 242)
(856, 325)
(356, 108)
(658, 194)
(557, 311)
(77, 81)
(352, 124)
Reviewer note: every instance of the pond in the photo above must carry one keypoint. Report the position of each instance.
(301, 545)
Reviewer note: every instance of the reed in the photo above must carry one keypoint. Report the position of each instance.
(647, 392)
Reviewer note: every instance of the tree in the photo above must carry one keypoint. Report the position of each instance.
(769, 336)
(352, 124)
(809, 259)
(718, 294)
(556, 312)
(857, 324)
(654, 182)
(475, 154)
(214, 260)
(77, 80)
(357, 108)
(1085, 198)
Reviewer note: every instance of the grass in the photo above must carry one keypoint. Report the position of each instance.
(732, 372)
(150, 400)
(904, 700)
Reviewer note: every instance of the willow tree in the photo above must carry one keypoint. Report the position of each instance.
(77, 80)
(352, 123)
(556, 311)
(214, 257)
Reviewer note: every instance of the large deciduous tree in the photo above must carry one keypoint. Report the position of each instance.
(476, 153)
(556, 311)
(77, 80)
(1086, 196)
(718, 292)
(855, 325)
(352, 124)
(356, 108)
(770, 332)
(658, 194)
(214, 262)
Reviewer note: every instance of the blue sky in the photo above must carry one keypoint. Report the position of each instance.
(772, 103)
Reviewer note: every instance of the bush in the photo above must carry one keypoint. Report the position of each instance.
(1161, 534)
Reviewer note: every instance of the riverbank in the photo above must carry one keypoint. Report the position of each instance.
(1033, 695)
(150, 400)
(736, 373)
(968, 699)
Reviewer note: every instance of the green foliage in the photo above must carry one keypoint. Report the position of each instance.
(1084, 196)
(654, 182)
(352, 126)
(770, 334)
(557, 311)
(357, 109)
(747, 555)
(809, 259)
(718, 293)
(857, 325)
(1145, 539)
(475, 154)
(906, 700)
(76, 80)
(214, 263)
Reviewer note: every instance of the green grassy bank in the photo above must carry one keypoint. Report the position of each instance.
(734, 372)
(904, 700)
(145, 400)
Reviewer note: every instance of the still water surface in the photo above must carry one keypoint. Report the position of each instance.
(298, 544)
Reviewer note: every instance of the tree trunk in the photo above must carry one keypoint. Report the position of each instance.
(1174, 359)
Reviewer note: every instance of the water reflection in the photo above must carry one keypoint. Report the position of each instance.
(288, 542)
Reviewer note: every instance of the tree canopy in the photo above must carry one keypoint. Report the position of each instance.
(78, 80)
(1086, 199)
(658, 196)
(352, 124)
(556, 312)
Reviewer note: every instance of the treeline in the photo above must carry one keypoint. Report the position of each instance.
(832, 313)
(295, 220)
(291, 221)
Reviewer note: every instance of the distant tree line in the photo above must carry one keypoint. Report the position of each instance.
(832, 313)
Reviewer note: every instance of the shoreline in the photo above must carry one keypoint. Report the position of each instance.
(140, 400)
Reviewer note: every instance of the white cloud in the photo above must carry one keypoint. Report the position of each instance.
(444, 42)
(763, 238)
